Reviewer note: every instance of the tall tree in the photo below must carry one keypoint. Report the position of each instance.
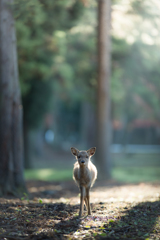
(103, 105)
(41, 74)
(11, 143)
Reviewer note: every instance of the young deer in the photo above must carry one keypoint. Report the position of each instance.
(84, 174)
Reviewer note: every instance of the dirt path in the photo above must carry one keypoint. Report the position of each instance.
(51, 212)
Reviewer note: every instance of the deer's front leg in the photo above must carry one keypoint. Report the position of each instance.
(88, 201)
(82, 191)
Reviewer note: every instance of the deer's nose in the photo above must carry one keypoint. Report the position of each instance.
(82, 161)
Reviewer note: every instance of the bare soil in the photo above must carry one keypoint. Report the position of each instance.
(50, 211)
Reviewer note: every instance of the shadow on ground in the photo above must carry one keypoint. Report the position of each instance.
(61, 221)
(118, 212)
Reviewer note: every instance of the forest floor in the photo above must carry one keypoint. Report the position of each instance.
(50, 211)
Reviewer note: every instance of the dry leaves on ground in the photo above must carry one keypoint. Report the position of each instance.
(51, 212)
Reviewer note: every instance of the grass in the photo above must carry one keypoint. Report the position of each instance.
(49, 174)
(138, 160)
(131, 168)
(122, 174)
(134, 168)
(136, 174)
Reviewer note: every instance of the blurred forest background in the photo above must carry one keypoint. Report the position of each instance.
(57, 58)
(57, 52)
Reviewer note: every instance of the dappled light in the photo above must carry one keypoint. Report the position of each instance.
(118, 211)
(79, 74)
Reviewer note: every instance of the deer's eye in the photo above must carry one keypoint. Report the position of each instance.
(78, 157)
(87, 157)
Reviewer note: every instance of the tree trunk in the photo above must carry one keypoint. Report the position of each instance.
(87, 126)
(103, 105)
(11, 141)
(27, 154)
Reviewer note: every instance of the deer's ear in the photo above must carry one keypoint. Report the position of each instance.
(91, 151)
(74, 151)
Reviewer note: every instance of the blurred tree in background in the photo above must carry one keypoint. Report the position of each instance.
(135, 84)
(103, 93)
(57, 57)
(135, 57)
(11, 139)
(37, 24)
(57, 49)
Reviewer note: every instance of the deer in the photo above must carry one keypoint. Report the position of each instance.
(84, 175)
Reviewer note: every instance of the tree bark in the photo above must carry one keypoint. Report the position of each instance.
(87, 125)
(27, 154)
(103, 104)
(11, 140)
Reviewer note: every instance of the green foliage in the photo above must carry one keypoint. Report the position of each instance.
(74, 69)
(141, 86)
(57, 55)
(25, 197)
(40, 200)
(136, 167)
(37, 23)
(36, 102)
(135, 85)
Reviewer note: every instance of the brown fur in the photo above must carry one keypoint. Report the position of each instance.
(84, 174)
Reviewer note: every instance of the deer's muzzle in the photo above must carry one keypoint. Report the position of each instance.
(82, 161)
